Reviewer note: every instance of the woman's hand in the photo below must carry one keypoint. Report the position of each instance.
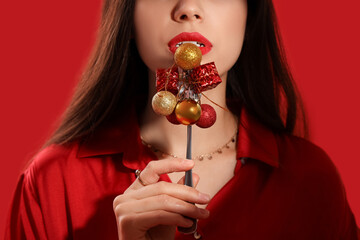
(153, 211)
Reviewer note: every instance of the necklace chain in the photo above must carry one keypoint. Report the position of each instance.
(199, 157)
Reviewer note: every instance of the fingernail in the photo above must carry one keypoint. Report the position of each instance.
(189, 222)
(188, 162)
(204, 212)
(204, 196)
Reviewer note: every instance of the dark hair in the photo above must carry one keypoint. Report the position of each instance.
(261, 79)
(116, 76)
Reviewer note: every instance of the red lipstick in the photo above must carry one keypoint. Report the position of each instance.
(205, 44)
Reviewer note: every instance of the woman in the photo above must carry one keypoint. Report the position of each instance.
(268, 184)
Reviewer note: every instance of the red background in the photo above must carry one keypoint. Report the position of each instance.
(44, 46)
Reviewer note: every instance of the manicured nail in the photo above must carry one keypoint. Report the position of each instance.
(188, 162)
(204, 196)
(204, 212)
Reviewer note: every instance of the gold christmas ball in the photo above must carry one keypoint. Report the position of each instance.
(188, 56)
(188, 112)
(164, 102)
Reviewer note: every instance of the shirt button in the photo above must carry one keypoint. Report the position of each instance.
(197, 235)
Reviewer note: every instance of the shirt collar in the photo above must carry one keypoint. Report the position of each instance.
(255, 141)
(122, 137)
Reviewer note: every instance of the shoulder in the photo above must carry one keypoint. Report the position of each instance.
(303, 154)
(39, 196)
(310, 168)
(50, 163)
(54, 155)
(316, 183)
(312, 171)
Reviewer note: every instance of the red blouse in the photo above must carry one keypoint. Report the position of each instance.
(284, 188)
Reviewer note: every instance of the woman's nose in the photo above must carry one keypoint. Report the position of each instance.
(188, 10)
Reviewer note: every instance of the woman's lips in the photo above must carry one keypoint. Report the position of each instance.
(190, 37)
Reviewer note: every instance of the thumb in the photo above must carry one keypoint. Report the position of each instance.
(195, 178)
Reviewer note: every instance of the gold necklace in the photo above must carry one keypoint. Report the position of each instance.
(199, 157)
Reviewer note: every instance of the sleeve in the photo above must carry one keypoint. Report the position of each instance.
(324, 183)
(350, 230)
(25, 219)
(347, 222)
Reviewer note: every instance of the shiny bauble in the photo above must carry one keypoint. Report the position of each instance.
(172, 118)
(208, 116)
(188, 56)
(164, 103)
(188, 112)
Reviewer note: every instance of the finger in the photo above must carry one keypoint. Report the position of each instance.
(161, 202)
(195, 177)
(147, 220)
(179, 191)
(151, 173)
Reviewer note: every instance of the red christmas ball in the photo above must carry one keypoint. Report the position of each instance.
(208, 116)
(172, 118)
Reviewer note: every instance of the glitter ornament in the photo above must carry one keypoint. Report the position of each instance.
(203, 78)
(164, 102)
(188, 56)
(208, 116)
(188, 112)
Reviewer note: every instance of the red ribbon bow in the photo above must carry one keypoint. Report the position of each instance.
(203, 77)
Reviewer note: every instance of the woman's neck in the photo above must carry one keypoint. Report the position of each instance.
(170, 138)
